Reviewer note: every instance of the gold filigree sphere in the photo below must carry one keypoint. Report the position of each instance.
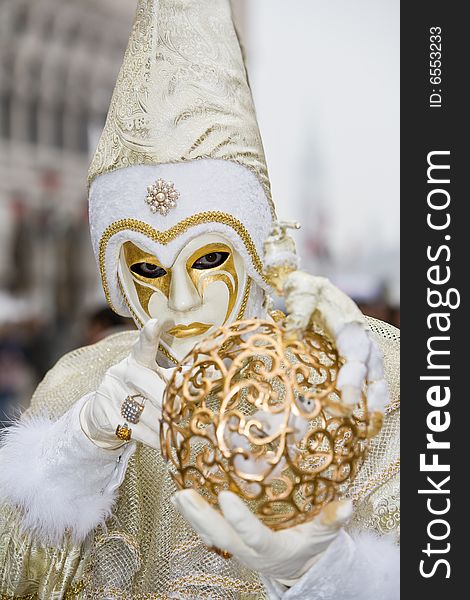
(162, 196)
(256, 412)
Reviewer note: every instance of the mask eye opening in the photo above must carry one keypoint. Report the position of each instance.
(211, 260)
(148, 270)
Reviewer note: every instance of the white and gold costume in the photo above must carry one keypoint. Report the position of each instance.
(180, 160)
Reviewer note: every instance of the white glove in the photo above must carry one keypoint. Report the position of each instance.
(138, 373)
(282, 555)
(305, 295)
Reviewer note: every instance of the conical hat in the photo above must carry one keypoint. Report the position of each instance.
(182, 93)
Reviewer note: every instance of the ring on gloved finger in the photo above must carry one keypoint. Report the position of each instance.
(131, 408)
(123, 432)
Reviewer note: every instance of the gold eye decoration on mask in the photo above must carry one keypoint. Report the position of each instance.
(147, 273)
(214, 262)
(210, 263)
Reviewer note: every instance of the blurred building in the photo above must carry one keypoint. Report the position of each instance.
(58, 65)
(325, 80)
(59, 61)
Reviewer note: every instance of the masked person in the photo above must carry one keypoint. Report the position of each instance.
(180, 207)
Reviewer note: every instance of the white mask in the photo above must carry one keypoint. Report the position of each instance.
(204, 288)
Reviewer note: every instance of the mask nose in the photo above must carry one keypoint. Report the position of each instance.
(183, 295)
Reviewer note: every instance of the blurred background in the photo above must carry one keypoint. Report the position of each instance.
(325, 79)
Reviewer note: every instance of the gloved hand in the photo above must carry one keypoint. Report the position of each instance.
(305, 295)
(282, 555)
(138, 373)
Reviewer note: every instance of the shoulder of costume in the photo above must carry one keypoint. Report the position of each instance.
(384, 330)
(388, 339)
(78, 373)
(375, 490)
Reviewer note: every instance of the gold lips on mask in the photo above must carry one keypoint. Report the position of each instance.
(149, 276)
(183, 331)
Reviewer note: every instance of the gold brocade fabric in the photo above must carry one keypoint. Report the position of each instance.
(376, 489)
(182, 93)
(147, 551)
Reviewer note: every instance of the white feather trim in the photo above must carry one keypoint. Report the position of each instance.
(204, 185)
(57, 477)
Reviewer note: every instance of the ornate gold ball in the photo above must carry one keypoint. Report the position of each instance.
(254, 410)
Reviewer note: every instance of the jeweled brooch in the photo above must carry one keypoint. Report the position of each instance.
(162, 196)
